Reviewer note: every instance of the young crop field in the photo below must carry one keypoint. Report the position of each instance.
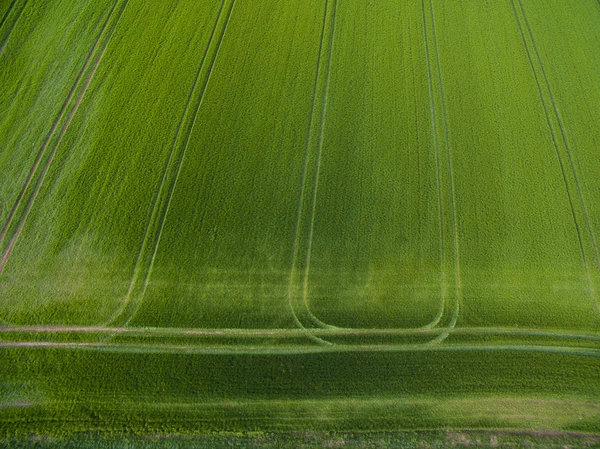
(266, 217)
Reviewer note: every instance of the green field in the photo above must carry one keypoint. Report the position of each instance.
(299, 215)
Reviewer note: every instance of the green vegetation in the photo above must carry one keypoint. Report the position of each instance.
(247, 222)
(397, 440)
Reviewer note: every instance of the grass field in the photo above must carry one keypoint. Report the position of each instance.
(300, 215)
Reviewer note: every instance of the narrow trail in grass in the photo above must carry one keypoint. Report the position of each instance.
(295, 333)
(36, 166)
(569, 175)
(7, 13)
(6, 37)
(313, 150)
(164, 194)
(293, 350)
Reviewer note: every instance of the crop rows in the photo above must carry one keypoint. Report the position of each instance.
(313, 294)
(262, 203)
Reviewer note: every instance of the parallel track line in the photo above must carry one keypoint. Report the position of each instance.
(7, 13)
(291, 350)
(29, 205)
(294, 333)
(54, 126)
(443, 279)
(458, 285)
(557, 149)
(318, 167)
(163, 209)
(14, 24)
(303, 185)
(451, 189)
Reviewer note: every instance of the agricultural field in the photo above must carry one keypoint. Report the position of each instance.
(265, 217)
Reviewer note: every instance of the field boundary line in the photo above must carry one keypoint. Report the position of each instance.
(45, 168)
(293, 350)
(567, 149)
(159, 212)
(14, 24)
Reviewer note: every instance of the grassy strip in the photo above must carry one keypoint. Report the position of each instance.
(352, 440)
(76, 206)
(37, 75)
(299, 348)
(152, 234)
(9, 22)
(443, 164)
(502, 210)
(585, 236)
(375, 251)
(564, 73)
(81, 86)
(299, 276)
(67, 390)
(229, 235)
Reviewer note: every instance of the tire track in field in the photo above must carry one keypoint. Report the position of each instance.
(318, 166)
(566, 143)
(295, 333)
(46, 142)
(171, 172)
(439, 113)
(7, 13)
(313, 149)
(443, 280)
(293, 350)
(13, 25)
(569, 175)
(23, 217)
(300, 209)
